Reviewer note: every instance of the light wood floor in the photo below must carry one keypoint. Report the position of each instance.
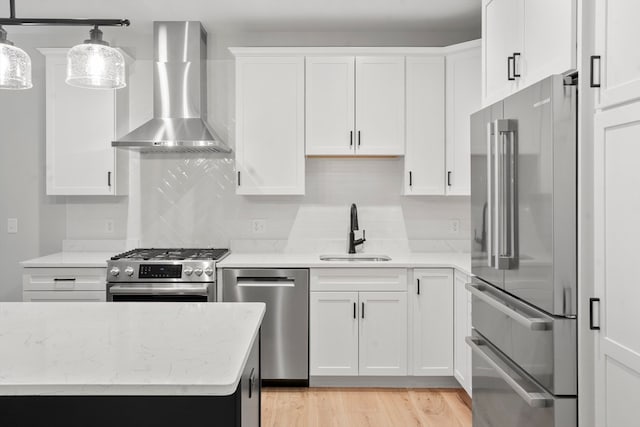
(356, 407)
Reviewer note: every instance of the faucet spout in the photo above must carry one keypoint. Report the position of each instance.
(354, 217)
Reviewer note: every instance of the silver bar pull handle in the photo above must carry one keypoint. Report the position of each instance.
(531, 323)
(490, 211)
(534, 400)
(505, 133)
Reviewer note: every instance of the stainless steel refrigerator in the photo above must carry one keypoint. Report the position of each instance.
(524, 258)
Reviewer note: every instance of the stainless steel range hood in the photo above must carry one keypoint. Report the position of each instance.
(179, 94)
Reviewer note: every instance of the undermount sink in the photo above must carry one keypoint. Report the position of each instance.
(361, 258)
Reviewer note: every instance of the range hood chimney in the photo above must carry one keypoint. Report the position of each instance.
(179, 121)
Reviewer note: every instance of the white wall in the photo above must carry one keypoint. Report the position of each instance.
(41, 219)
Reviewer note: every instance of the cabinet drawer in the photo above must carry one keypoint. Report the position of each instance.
(64, 296)
(358, 279)
(64, 279)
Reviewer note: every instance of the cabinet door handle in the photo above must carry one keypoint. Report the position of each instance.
(510, 62)
(363, 310)
(238, 178)
(418, 286)
(252, 382)
(351, 138)
(354, 311)
(592, 77)
(64, 279)
(410, 179)
(449, 178)
(592, 325)
(516, 58)
(109, 178)
(359, 139)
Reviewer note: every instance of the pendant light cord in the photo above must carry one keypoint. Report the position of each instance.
(12, 9)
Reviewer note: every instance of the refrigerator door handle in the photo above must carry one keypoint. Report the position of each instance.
(490, 210)
(534, 400)
(506, 199)
(531, 323)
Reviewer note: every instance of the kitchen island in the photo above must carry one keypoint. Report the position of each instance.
(130, 364)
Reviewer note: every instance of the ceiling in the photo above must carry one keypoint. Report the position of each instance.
(268, 15)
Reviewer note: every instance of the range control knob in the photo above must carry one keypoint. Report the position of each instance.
(208, 271)
(198, 271)
(114, 271)
(188, 271)
(129, 271)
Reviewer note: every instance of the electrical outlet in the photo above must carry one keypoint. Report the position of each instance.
(108, 226)
(12, 225)
(454, 226)
(259, 226)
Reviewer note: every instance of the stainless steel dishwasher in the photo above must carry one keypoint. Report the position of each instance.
(285, 328)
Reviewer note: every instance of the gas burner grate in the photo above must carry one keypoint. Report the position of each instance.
(172, 254)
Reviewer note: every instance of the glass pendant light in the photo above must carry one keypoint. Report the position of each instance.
(94, 64)
(15, 65)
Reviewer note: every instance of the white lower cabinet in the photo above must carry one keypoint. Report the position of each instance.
(64, 284)
(431, 306)
(361, 329)
(462, 329)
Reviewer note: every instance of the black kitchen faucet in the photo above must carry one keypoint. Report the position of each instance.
(354, 227)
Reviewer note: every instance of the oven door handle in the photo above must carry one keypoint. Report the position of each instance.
(192, 289)
(531, 323)
(534, 400)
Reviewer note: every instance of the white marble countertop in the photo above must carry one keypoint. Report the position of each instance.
(125, 348)
(460, 261)
(85, 259)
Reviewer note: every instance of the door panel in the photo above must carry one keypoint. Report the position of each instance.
(383, 333)
(481, 212)
(380, 105)
(617, 232)
(330, 115)
(501, 38)
(544, 270)
(333, 333)
(617, 33)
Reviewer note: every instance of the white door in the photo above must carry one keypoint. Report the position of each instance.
(333, 333)
(270, 125)
(80, 127)
(330, 105)
(501, 38)
(617, 233)
(461, 330)
(380, 105)
(617, 35)
(549, 38)
(383, 333)
(424, 156)
(464, 83)
(432, 311)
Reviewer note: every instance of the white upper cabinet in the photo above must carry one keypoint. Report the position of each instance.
(380, 105)
(270, 125)
(80, 126)
(355, 105)
(617, 35)
(525, 41)
(501, 38)
(330, 105)
(424, 162)
(463, 91)
(549, 38)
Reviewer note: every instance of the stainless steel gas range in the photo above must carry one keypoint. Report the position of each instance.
(187, 275)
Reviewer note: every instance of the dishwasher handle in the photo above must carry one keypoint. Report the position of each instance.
(266, 282)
